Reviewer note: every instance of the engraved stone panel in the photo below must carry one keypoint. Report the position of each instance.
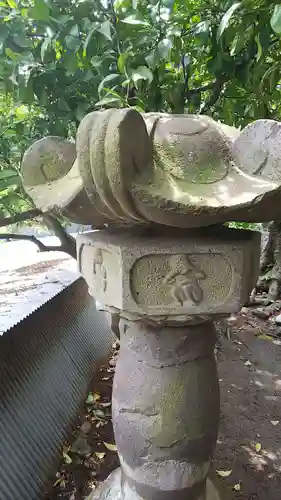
(170, 277)
(181, 280)
(101, 268)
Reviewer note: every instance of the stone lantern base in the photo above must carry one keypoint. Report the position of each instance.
(114, 488)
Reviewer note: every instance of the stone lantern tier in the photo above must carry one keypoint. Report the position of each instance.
(169, 280)
(174, 170)
(166, 291)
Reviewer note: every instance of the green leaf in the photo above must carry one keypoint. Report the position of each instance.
(142, 73)
(96, 61)
(237, 44)
(107, 79)
(109, 101)
(15, 56)
(21, 40)
(72, 40)
(4, 174)
(70, 63)
(62, 105)
(80, 113)
(12, 4)
(14, 76)
(40, 11)
(201, 27)
(226, 19)
(9, 182)
(87, 41)
(122, 59)
(164, 48)
(134, 20)
(259, 53)
(105, 29)
(275, 20)
(21, 111)
(46, 45)
(4, 32)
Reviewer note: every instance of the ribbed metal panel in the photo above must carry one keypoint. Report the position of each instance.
(46, 364)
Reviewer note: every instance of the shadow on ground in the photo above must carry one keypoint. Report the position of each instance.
(249, 441)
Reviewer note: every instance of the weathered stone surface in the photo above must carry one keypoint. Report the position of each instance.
(258, 149)
(52, 179)
(159, 374)
(114, 489)
(165, 411)
(169, 277)
(50, 160)
(174, 170)
(278, 319)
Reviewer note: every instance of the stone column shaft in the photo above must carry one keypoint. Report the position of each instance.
(166, 409)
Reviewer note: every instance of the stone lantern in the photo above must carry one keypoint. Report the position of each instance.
(159, 188)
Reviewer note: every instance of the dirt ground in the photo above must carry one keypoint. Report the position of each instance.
(248, 453)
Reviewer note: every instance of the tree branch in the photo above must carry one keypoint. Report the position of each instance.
(217, 89)
(203, 88)
(32, 239)
(14, 219)
(68, 243)
(115, 24)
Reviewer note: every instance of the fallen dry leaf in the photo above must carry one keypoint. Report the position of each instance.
(67, 458)
(263, 336)
(58, 481)
(99, 413)
(237, 487)
(110, 446)
(258, 447)
(224, 473)
(90, 399)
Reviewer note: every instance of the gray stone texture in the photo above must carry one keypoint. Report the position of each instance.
(116, 488)
(165, 410)
(175, 170)
(170, 279)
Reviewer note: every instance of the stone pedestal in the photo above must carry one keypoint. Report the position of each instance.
(166, 292)
(165, 432)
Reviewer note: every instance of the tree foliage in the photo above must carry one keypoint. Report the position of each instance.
(60, 59)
